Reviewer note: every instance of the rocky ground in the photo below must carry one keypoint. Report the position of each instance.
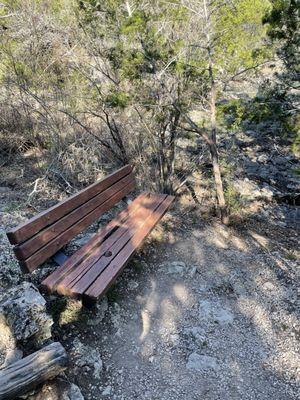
(203, 311)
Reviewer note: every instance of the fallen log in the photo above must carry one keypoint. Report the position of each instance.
(24, 375)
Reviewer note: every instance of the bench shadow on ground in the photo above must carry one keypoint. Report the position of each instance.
(237, 270)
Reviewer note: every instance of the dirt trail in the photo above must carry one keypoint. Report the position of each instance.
(207, 313)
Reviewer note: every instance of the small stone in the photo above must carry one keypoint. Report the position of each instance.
(81, 241)
(174, 339)
(215, 313)
(175, 267)
(107, 391)
(201, 363)
(269, 287)
(132, 285)
(263, 158)
(251, 191)
(74, 393)
(197, 334)
(5, 190)
(192, 270)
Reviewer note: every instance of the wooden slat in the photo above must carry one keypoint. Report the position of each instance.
(110, 274)
(32, 245)
(24, 375)
(87, 250)
(77, 282)
(29, 228)
(54, 245)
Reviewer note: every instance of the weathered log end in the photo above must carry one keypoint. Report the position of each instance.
(24, 375)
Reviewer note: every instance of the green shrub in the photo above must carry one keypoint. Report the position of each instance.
(117, 99)
(231, 114)
(233, 199)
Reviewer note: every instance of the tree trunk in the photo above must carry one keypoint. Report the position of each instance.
(218, 183)
(214, 152)
(172, 150)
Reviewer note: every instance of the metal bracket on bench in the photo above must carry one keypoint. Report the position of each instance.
(127, 200)
(60, 257)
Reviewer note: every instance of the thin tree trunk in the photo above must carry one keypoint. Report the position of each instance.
(218, 183)
(212, 143)
(172, 150)
(215, 156)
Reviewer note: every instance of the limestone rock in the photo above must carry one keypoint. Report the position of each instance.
(58, 390)
(196, 334)
(200, 363)
(107, 391)
(215, 313)
(99, 312)
(176, 267)
(87, 358)
(7, 343)
(10, 271)
(23, 310)
(252, 191)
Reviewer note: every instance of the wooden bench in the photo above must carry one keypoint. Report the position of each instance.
(91, 270)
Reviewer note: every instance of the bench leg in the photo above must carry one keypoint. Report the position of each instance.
(88, 302)
(60, 257)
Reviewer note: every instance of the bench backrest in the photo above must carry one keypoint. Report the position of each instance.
(42, 236)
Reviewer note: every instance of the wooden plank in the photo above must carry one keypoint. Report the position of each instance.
(52, 247)
(85, 251)
(24, 375)
(110, 274)
(77, 282)
(33, 244)
(29, 228)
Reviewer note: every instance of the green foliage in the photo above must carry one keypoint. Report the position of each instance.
(117, 99)
(296, 171)
(233, 199)
(63, 62)
(137, 23)
(231, 114)
(240, 34)
(284, 29)
(268, 109)
(133, 65)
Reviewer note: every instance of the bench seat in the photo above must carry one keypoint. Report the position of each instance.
(90, 271)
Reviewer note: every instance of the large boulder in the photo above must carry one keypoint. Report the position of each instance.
(23, 314)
